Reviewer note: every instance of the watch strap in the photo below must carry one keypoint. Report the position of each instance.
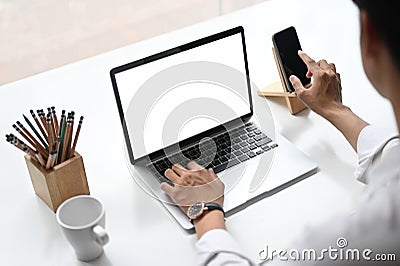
(209, 206)
(213, 206)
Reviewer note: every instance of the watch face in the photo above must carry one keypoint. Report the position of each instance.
(195, 210)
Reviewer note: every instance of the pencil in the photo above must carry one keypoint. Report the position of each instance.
(25, 136)
(65, 141)
(36, 145)
(11, 140)
(50, 160)
(53, 125)
(56, 150)
(47, 116)
(32, 155)
(70, 135)
(38, 124)
(62, 134)
(8, 138)
(27, 132)
(19, 144)
(53, 160)
(54, 142)
(78, 130)
(55, 119)
(40, 159)
(61, 121)
(50, 130)
(22, 144)
(35, 131)
(42, 118)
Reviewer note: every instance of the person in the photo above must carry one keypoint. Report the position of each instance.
(375, 224)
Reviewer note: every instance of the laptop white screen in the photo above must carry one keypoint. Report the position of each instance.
(184, 107)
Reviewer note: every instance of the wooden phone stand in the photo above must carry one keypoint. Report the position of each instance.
(278, 89)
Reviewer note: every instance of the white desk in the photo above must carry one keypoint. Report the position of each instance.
(141, 231)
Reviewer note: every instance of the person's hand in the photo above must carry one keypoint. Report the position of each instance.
(325, 93)
(325, 98)
(192, 185)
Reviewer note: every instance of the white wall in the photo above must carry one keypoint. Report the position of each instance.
(39, 35)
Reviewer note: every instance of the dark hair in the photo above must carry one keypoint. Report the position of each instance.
(384, 14)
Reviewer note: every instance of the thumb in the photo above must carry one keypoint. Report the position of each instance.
(296, 84)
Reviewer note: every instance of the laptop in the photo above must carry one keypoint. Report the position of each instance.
(196, 102)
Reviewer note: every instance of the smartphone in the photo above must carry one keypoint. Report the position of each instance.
(287, 44)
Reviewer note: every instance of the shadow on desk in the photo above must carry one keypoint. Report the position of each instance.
(101, 261)
(271, 192)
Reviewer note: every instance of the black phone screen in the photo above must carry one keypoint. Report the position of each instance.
(287, 45)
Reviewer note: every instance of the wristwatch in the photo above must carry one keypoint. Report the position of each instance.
(197, 209)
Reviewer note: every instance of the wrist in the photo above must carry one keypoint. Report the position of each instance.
(208, 221)
(346, 122)
(335, 113)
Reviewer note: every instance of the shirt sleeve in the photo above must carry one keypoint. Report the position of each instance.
(217, 247)
(371, 144)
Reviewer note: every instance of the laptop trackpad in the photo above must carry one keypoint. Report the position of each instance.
(264, 166)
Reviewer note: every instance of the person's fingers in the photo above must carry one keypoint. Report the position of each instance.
(192, 165)
(297, 85)
(324, 64)
(167, 188)
(178, 169)
(171, 175)
(311, 64)
(212, 173)
(309, 74)
(333, 67)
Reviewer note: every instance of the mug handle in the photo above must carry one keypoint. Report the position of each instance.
(100, 235)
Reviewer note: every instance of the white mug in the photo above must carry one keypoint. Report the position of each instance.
(82, 220)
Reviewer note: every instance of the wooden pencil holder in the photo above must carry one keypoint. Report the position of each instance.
(59, 183)
(278, 89)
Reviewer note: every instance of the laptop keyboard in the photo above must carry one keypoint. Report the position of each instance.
(219, 152)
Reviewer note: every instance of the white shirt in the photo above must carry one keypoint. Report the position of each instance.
(374, 225)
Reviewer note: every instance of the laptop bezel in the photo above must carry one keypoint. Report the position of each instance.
(170, 52)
